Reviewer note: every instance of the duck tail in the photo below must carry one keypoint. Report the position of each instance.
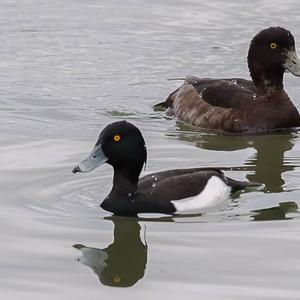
(241, 185)
(167, 103)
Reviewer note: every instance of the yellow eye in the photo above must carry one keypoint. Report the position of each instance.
(117, 279)
(117, 138)
(273, 46)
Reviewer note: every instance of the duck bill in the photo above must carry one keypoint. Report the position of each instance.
(292, 63)
(95, 159)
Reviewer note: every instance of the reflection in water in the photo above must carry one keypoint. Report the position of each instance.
(266, 166)
(124, 261)
(275, 213)
(269, 160)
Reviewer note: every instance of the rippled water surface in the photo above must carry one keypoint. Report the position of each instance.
(68, 68)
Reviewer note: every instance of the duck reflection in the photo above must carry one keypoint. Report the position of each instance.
(275, 213)
(268, 163)
(124, 261)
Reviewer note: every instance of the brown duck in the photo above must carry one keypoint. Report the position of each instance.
(237, 105)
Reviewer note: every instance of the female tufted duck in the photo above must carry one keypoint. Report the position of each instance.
(122, 145)
(237, 105)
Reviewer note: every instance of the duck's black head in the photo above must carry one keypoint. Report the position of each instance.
(271, 52)
(121, 145)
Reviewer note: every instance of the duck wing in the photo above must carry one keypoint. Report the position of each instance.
(226, 93)
(185, 189)
(148, 181)
(217, 104)
(199, 83)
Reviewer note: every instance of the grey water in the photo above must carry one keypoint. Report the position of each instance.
(68, 68)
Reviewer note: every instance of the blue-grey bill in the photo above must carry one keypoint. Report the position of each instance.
(95, 159)
(292, 63)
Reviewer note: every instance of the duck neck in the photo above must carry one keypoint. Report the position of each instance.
(267, 80)
(125, 181)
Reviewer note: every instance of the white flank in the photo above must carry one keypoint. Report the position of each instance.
(214, 193)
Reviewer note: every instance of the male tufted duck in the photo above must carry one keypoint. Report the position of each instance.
(122, 145)
(237, 105)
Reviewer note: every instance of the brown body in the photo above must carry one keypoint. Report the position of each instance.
(244, 112)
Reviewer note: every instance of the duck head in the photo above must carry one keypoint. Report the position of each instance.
(121, 145)
(272, 52)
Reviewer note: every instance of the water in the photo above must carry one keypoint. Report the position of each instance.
(68, 69)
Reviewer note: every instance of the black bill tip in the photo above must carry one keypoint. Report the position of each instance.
(76, 169)
(78, 246)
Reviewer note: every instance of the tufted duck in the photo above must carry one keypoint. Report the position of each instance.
(122, 145)
(237, 105)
